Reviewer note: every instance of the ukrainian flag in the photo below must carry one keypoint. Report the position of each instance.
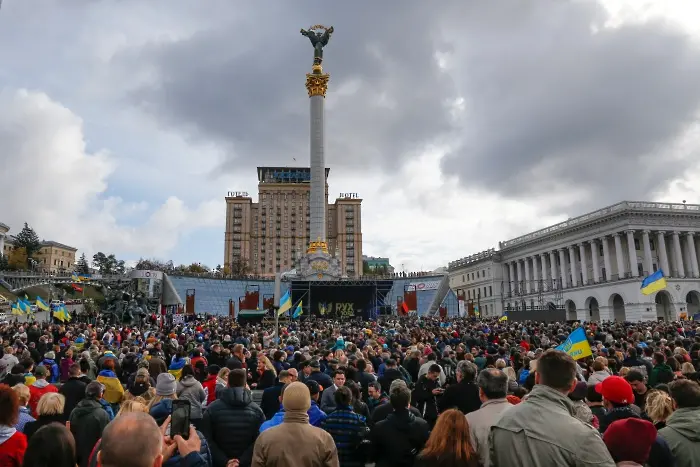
(24, 306)
(74, 277)
(41, 304)
(653, 283)
(15, 309)
(62, 314)
(299, 311)
(503, 318)
(576, 345)
(285, 304)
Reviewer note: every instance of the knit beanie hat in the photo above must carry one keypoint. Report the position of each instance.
(165, 385)
(296, 398)
(630, 439)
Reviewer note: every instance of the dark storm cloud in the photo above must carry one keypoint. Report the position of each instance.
(550, 102)
(243, 85)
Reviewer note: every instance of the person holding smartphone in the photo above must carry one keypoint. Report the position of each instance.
(427, 392)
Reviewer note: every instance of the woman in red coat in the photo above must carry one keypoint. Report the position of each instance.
(13, 444)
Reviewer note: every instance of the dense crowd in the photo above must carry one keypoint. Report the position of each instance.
(393, 392)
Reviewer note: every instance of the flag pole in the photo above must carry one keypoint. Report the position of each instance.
(275, 307)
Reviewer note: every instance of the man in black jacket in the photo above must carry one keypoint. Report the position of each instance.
(87, 421)
(270, 402)
(232, 422)
(390, 374)
(363, 378)
(465, 394)
(398, 439)
(382, 411)
(73, 389)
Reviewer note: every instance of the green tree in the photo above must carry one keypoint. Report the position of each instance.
(154, 265)
(82, 266)
(239, 267)
(365, 268)
(29, 240)
(197, 268)
(108, 264)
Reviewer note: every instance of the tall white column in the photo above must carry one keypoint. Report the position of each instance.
(648, 259)
(574, 269)
(511, 277)
(632, 251)
(594, 260)
(663, 255)
(521, 289)
(2, 244)
(584, 262)
(526, 265)
(607, 261)
(678, 254)
(553, 269)
(535, 274)
(543, 263)
(620, 258)
(563, 269)
(692, 253)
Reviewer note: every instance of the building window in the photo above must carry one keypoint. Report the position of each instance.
(636, 244)
(651, 244)
(490, 291)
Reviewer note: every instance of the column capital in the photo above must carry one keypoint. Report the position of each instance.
(690, 234)
(660, 232)
(562, 249)
(592, 241)
(571, 247)
(676, 232)
(646, 232)
(630, 231)
(581, 244)
(616, 235)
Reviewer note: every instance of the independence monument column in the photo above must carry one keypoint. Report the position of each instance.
(318, 263)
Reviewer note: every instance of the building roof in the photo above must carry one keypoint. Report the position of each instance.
(286, 174)
(475, 258)
(4, 227)
(11, 239)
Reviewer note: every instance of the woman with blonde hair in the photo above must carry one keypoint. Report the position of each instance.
(25, 414)
(137, 404)
(687, 368)
(659, 406)
(222, 379)
(264, 375)
(449, 444)
(49, 410)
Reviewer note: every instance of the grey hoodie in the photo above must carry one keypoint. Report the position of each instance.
(682, 433)
(190, 389)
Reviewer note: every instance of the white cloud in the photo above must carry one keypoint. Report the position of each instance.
(50, 180)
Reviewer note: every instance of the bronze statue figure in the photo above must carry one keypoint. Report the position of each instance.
(318, 39)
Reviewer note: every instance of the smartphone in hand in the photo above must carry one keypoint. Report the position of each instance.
(180, 418)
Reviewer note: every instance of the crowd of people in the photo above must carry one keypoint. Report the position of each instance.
(395, 392)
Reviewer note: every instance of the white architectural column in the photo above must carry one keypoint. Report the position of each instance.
(606, 258)
(2, 244)
(584, 262)
(562, 267)
(520, 287)
(511, 276)
(594, 261)
(634, 269)
(678, 254)
(528, 284)
(543, 263)
(690, 238)
(535, 274)
(572, 264)
(663, 255)
(648, 259)
(553, 268)
(618, 255)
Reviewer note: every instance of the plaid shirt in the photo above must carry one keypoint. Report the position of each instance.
(347, 429)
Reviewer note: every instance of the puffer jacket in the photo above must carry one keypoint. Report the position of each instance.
(191, 390)
(231, 425)
(682, 433)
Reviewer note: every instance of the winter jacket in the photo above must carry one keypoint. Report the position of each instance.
(32, 427)
(38, 389)
(74, 391)
(316, 417)
(87, 421)
(270, 400)
(160, 410)
(114, 391)
(424, 399)
(53, 369)
(661, 374)
(189, 389)
(348, 429)
(65, 368)
(597, 377)
(463, 396)
(231, 425)
(397, 440)
(542, 430)
(480, 423)
(13, 444)
(209, 386)
(682, 433)
(295, 443)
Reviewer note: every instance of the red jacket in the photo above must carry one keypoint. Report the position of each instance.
(35, 394)
(12, 450)
(210, 385)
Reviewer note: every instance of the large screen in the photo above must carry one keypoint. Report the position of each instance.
(336, 301)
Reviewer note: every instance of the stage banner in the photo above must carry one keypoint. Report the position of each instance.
(339, 301)
(424, 285)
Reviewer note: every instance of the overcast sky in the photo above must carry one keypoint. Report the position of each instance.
(123, 123)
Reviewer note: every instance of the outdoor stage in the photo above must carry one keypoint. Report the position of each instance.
(343, 299)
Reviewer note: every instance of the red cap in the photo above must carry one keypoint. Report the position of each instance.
(616, 389)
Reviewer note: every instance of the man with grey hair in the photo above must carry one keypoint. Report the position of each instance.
(382, 411)
(493, 389)
(465, 394)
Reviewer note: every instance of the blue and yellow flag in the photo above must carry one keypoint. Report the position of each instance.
(285, 304)
(653, 283)
(24, 306)
(74, 277)
(299, 311)
(16, 309)
(576, 345)
(61, 314)
(41, 304)
(503, 318)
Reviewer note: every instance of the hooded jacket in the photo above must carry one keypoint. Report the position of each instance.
(397, 440)
(231, 425)
(53, 368)
(87, 421)
(38, 389)
(682, 433)
(661, 373)
(191, 390)
(13, 444)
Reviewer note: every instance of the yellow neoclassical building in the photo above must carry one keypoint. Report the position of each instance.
(52, 257)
